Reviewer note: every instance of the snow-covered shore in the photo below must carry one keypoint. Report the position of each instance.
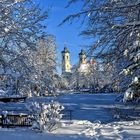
(79, 130)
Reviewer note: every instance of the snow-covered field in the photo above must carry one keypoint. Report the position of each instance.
(94, 116)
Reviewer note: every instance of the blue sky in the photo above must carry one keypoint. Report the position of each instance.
(67, 33)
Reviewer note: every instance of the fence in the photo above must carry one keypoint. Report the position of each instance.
(25, 120)
(13, 120)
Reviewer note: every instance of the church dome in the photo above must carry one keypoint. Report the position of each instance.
(65, 50)
(82, 52)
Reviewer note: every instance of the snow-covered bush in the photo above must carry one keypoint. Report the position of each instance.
(46, 116)
(2, 92)
(133, 92)
(129, 95)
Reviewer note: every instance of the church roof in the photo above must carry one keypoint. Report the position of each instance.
(65, 50)
(82, 52)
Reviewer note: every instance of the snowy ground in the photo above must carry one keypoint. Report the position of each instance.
(79, 130)
(93, 118)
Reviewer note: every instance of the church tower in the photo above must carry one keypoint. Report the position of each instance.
(66, 67)
(82, 57)
(83, 64)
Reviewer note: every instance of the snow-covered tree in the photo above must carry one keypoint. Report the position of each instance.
(114, 26)
(44, 64)
(63, 83)
(98, 77)
(20, 26)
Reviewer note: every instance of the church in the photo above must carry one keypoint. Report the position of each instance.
(83, 64)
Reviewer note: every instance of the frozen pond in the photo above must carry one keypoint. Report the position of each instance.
(99, 107)
(90, 107)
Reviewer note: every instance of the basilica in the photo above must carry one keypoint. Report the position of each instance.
(83, 64)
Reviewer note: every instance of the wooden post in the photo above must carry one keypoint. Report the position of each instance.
(70, 115)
